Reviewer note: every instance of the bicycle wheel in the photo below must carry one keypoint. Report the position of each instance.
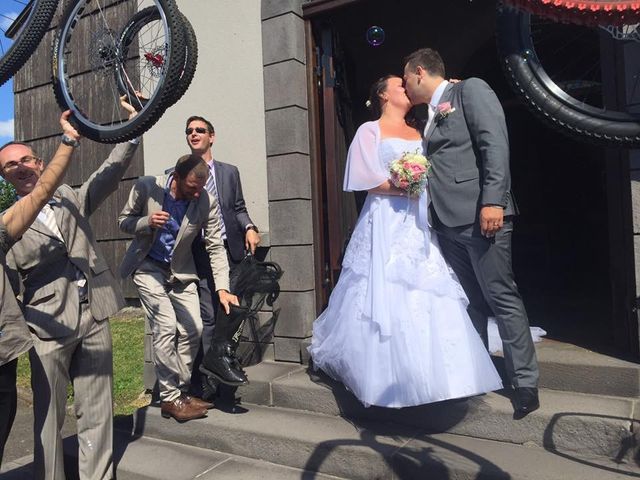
(21, 32)
(556, 69)
(190, 63)
(143, 21)
(87, 54)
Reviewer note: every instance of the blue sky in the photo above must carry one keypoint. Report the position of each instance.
(6, 112)
(6, 90)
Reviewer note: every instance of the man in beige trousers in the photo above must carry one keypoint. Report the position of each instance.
(166, 214)
(68, 295)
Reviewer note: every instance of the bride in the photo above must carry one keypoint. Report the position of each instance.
(396, 331)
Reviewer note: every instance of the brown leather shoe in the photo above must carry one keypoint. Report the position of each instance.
(181, 410)
(197, 402)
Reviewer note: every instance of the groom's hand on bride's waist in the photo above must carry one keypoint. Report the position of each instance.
(491, 219)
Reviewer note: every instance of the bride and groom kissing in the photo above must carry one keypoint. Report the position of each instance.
(406, 323)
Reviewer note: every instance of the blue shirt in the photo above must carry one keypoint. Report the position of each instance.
(162, 248)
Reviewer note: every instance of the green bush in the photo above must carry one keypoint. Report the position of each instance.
(7, 195)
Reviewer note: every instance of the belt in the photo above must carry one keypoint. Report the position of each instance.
(159, 263)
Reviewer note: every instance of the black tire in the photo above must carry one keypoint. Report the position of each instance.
(190, 64)
(137, 23)
(27, 39)
(548, 100)
(99, 116)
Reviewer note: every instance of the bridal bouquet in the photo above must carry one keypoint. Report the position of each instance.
(409, 172)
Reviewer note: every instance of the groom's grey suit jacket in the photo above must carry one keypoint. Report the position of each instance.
(469, 153)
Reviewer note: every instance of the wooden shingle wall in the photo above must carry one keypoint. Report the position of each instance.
(36, 122)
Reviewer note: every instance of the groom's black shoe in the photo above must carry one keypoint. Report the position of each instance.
(525, 401)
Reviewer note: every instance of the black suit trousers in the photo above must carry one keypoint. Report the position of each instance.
(8, 401)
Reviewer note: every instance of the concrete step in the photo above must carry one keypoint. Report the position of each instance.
(330, 445)
(145, 458)
(570, 368)
(566, 422)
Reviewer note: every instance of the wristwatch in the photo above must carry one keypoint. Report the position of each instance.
(70, 142)
(252, 227)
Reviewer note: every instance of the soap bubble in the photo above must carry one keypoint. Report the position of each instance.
(375, 36)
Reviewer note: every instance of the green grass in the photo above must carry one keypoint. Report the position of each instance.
(128, 362)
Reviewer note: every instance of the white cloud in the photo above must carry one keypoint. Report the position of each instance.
(6, 128)
(7, 19)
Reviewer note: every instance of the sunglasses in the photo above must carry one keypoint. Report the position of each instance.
(199, 130)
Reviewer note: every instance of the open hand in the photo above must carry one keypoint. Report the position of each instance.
(227, 299)
(125, 102)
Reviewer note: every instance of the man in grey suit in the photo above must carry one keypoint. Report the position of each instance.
(68, 294)
(239, 235)
(166, 214)
(472, 208)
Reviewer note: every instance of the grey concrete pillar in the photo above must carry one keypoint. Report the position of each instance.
(289, 171)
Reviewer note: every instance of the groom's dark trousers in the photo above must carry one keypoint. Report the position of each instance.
(469, 153)
(483, 266)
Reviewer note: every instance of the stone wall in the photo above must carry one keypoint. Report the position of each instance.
(289, 172)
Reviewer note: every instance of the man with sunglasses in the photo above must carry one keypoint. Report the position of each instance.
(68, 294)
(239, 234)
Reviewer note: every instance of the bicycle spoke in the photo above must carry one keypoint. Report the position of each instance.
(107, 55)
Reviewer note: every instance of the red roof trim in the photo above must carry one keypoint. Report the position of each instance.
(586, 12)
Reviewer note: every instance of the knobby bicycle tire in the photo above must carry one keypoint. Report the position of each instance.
(135, 24)
(28, 39)
(154, 107)
(190, 63)
(546, 99)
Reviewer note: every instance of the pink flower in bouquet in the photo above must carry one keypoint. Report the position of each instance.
(410, 172)
(416, 169)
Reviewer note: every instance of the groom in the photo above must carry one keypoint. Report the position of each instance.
(471, 207)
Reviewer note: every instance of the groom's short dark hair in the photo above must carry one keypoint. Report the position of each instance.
(427, 58)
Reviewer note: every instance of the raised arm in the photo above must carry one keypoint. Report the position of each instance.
(21, 214)
(104, 181)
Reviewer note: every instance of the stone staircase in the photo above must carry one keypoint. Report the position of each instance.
(296, 418)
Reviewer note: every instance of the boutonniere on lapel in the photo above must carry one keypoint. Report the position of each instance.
(443, 110)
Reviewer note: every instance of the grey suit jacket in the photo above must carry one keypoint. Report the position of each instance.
(47, 266)
(15, 338)
(234, 211)
(146, 198)
(469, 154)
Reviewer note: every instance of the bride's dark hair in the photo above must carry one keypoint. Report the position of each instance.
(374, 103)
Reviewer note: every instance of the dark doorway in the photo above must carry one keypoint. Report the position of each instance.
(561, 242)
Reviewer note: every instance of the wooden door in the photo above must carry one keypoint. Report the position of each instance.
(331, 129)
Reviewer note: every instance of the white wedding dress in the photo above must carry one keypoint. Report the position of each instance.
(396, 332)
